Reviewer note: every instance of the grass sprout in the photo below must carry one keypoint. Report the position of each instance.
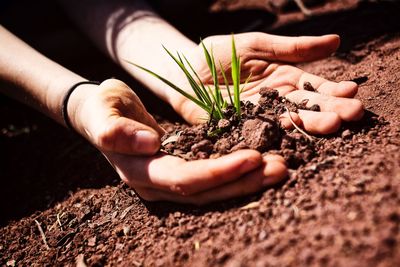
(207, 97)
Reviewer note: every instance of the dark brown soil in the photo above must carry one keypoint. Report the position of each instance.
(341, 208)
(257, 128)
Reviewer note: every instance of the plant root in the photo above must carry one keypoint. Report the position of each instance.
(303, 8)
(297, 127)
(59, 221)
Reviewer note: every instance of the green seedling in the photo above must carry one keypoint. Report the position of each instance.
(208, 98)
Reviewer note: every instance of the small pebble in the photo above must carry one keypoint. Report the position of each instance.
(346, 134)
(308, 87)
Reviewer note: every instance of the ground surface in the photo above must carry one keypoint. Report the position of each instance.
(340, 209)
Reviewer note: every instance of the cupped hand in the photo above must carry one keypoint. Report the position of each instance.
(266, 57)
(165, 177)
(114, 120)
(112, 117)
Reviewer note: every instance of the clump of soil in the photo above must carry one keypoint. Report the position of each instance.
(257, 128)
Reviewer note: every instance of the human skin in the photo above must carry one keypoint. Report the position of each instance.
(132, 31)
(112, 118)
(119, 130)
(267, 57)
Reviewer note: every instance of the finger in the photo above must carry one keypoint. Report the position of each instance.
(320, 122)
(287, 78)
(126, 136)
(121, 122)
(272, 170)
(169, 173)
(342, 89)
(297, 49)
(132, 109)
(312, 122)
(287, 121)
(347, 109)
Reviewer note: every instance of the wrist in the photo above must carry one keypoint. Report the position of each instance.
(74, 107)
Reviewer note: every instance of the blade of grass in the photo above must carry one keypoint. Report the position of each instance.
(198, 80)
(211, 65)
(211, 100)
(173, 86)
(203, 95)
(245, 83)
(197, 90)
(235, 66)
(217, 108)
(226, 83)
(217, 89)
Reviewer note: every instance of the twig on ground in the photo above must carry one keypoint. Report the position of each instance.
(251, 205)
(303, 8)
(297, 127)
(66, 238)
(59, 221)
(42, 234)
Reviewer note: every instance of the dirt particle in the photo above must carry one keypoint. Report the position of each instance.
(394, 217)
(92, 241)
(258, 134)
(346, 134)
(308, 87)
(202, 146)
(224, 123)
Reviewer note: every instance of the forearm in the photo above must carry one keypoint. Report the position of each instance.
(131, 30)
(40, 82)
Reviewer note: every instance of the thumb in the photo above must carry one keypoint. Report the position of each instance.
(298, 49)
(126, 136)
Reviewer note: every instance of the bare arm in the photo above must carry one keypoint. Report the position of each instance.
(40, 82)
(131, 30)
(113, 119)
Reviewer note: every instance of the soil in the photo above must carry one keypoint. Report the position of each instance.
(256, 128)
(339, 208)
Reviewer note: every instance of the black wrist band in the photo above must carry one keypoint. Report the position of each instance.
(64, 106)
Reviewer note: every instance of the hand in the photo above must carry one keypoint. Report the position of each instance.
(165, 177)
(264, 56)
(113, 119)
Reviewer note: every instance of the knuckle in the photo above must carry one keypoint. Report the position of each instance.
(112, 83)
(180, 189)
(181, 185)
(105, 138)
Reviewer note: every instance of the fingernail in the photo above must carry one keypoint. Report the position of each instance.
(145, 142)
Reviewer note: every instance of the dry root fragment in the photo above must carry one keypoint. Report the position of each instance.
(42, 234)
(251, 205)
(303, 8)
(297, 127)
